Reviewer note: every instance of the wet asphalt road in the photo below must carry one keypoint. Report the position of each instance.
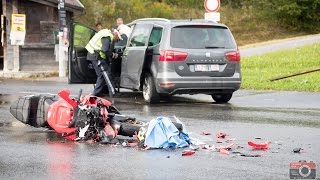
(287, 119)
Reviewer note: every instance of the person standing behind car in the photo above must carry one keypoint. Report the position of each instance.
(98, 26)
(119, 22)
(100, 53)
(124, 30)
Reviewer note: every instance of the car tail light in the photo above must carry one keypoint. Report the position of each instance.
(171, 56)
(233, 56)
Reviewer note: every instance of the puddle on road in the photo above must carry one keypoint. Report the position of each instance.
(6, 99)
(11, 124)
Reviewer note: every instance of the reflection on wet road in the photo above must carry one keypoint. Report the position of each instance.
(30, 153)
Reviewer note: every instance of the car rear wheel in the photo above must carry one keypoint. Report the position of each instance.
(150, 94)
(222, 98)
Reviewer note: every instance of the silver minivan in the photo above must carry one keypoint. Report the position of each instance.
(165, 57)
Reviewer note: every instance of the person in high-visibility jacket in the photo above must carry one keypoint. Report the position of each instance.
(100, 54)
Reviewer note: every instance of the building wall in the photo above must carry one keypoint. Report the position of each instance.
(38, 52)
(38, 59)
(42, 20)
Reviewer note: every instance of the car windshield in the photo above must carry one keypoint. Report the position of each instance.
(202, 37)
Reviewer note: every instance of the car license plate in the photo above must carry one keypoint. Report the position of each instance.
(206, 67)
(214, 67)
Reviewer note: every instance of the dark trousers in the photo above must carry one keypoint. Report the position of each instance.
(103, 86)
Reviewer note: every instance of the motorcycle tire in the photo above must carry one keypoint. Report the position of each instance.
(25, 109)
(42, 111)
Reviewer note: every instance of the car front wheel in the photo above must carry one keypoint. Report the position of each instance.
(222, 98)
(150, 94)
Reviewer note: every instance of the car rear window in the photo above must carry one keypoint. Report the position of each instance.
(201, 37)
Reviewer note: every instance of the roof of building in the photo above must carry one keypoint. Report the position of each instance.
(70, 5)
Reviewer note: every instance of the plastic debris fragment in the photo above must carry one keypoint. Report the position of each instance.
(141, 133)
(194, 147)
(133, 144)
(224, 151)
(83, 131)
(250, 155)
(297, 150)
(188, 153)
(205, 133)
(212, 147)
(228, 147)
(261, 146)
(221, 135)
(230, 140)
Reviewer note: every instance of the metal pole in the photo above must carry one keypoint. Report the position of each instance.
(62, 24)
(295, 74)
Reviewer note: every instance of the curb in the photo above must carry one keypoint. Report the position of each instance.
(27, 74)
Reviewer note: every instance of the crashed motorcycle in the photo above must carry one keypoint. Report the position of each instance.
(79, 119)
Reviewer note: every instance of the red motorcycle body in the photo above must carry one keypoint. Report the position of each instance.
(61, 112)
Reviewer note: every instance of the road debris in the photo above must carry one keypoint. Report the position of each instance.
(208, 147)
(297, 150)
(162, 133)
(224, 151)
(250, 155)
(221, 135)
(230, 140)
(261, 146)
(206, 133)
(194, 147)
(188, 153)
(92, 119)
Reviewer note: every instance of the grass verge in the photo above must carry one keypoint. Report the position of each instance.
(258, 70)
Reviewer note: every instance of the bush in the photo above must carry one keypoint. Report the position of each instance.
(299, 14)
(250, 20)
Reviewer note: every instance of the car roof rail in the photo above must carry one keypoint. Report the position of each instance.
(153, 19)
(208, 20)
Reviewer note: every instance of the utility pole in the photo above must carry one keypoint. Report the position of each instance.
(62, 25)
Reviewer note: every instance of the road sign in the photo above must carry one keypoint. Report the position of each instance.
(213, 16)
(62, 15)
(212, 5)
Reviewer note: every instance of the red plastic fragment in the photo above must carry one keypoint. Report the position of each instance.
(221, 135)
(228, 147)
(65, 94)
(188, 153)
(206, 133)
(224, 151)
(133, 144)
(259, 146)
(108, 130)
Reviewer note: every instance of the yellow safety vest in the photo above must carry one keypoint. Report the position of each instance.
(96, 44)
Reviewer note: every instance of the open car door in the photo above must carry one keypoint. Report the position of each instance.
(134, 56)
(80, 69)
